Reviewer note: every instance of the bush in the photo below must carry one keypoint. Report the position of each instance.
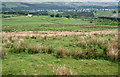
(75, 16)
(68, 16)
(52, 15)
(58, 15)
(91, 21)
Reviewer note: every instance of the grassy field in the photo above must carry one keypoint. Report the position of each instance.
(42, 64)
(45, 23)
(58, 46)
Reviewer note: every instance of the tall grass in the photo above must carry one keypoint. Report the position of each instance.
(62, 70)
(112, 50)
(89, 46)
(62, 52)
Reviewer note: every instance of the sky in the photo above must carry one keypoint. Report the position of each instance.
(59, 0)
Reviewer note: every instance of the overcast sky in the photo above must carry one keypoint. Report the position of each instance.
(59, 0)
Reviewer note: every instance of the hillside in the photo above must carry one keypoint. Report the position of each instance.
(57, 5)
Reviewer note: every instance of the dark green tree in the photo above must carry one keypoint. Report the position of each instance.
(68, 16)
(75, 16)
(57, 15)
(52, 15)
(114, 11)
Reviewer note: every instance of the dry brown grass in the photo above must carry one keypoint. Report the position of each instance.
(78, 54)
(61, 52)
(62, 70)
(112, 50)
(19, 46)
(3, 53)
(32, 49)
(55, 33)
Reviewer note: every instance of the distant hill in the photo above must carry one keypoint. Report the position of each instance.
(6, 6)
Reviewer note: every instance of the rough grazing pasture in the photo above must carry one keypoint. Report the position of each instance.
(58, 46)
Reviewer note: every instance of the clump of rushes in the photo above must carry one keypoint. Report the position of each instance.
(63, 71)
(4, 40)
(67, 52)
(3, 53)
(50, 49)
(112, 51)
(32, 49)
(61, 53)
(19, 47)
(45, 38)
(43, 49)
(34, 37)
(78, 54)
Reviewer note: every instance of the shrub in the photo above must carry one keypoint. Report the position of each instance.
(58, 15)
(52, 15)
(68, 16)
(91, 21)
(75, 16)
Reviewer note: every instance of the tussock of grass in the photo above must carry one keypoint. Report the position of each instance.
(112, 50)
(90, 46)
(62, 52)
(61, 70)
(3, 53)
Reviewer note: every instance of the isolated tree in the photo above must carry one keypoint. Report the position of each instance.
(95, 11)
(91, 21)
(118, 11)
(75, 16)
(114, 11)
(52, 15)
(68, 16)
(57, 15)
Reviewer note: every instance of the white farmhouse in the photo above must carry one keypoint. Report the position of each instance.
(29, 15)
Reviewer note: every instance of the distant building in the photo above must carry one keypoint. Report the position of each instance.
(29, 15)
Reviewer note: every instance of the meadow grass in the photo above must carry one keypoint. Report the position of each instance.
(46, 64)
(90, 54)
(46, 23)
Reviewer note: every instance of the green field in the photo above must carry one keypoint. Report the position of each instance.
(73, 54)
(46, 23)
(38, 64)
